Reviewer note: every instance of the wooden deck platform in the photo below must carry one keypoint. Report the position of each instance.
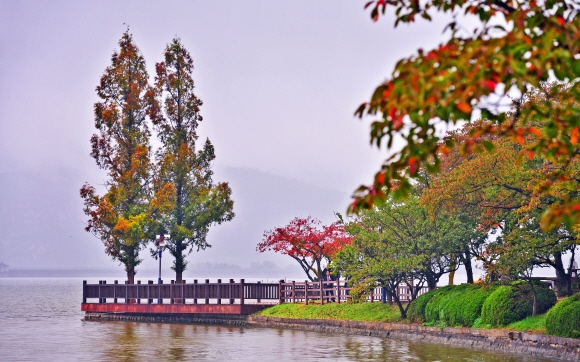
(239, 309)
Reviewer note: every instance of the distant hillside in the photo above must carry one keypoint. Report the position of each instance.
(42, 221)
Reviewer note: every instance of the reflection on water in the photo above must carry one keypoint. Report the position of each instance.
(40, 319)
(130, 341)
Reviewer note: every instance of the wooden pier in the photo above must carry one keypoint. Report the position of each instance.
(218, 298)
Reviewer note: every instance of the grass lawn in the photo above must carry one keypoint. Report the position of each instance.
(536, 324)
(372, 312)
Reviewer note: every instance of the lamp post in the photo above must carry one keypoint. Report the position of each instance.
(160, 243)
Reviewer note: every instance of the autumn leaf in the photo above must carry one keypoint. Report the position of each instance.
(464, 107)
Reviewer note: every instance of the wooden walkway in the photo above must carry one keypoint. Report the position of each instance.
(215, 298)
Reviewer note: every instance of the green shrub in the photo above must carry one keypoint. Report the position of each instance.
(564, 319)
(464, 307)
(416, 312)
(433, 307)
(512, 303)
(452, 305)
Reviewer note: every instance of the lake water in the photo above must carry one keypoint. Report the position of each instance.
(40, 320)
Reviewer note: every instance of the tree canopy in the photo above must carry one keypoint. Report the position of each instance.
(121, 218)
(397, 243)
(516, 49)
(184, 172)
(176, 193)
(304, 241)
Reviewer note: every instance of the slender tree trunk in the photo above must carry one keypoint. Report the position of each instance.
(431, 281)
(466, 260)
(562, 283)
(535, 301)
(402, 310)
(179, 265)
(452, 265)
(131, 274)
(451, 277)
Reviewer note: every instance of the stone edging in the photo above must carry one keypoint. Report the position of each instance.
(491, 339)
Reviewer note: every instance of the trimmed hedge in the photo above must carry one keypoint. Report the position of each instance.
(416, 312)
(452, 305)
(437, 302)
(564, 319)
(465, 307)
(512, 303)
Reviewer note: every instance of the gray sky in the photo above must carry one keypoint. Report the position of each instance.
(280, 82)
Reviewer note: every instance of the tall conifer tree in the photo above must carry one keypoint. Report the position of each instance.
(199, 202)
(122, 216)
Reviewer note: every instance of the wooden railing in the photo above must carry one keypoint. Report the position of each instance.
(184, 293)
(335, 291)
(232, 292)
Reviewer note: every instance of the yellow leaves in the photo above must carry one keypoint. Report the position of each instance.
(122, 226)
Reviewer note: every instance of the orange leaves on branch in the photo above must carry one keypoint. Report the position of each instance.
(464, 107)
(535, 131)
(574, 136)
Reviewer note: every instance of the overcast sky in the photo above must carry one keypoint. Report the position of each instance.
(280, 81)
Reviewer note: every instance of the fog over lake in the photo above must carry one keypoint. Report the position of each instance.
(279, 80)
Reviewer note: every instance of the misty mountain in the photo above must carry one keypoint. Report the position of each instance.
(42, 223)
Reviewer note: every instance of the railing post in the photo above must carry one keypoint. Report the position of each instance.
(259, 292)
(206, 291)
(242, 296)
(383, 295)
(171, 299)
(321, 288)
(194, 291)
(230, 291)
(293, 291)
(281, 297)
(219, 294)
(338, 289)
(115, 284)
(182, 300)
(160, 284)
(150, 300)
(306, 292)
(84, 291)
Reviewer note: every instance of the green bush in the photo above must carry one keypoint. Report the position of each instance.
(416, 312)
(564, 319)
(438, 300)
(464, 306)
(512, 303)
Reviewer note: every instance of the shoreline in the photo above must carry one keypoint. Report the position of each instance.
(567, 349)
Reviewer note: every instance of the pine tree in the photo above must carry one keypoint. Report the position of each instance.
(121, 218)
(198, 203)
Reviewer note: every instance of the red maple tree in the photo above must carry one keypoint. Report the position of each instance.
(305, 242)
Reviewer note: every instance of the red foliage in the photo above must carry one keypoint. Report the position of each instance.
(303, 240)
